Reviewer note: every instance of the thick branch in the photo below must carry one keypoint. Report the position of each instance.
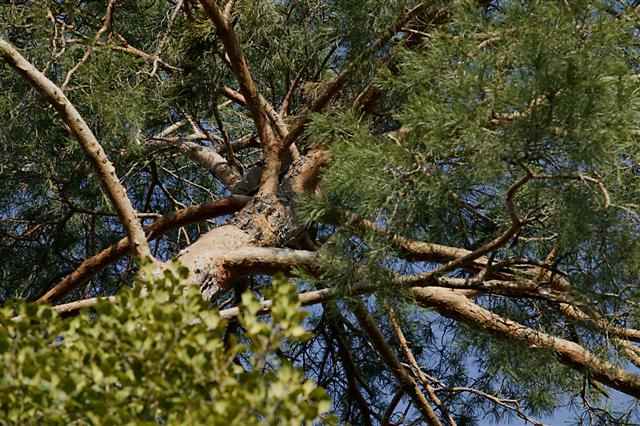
(460, 308)
(226, 254)
(249, 90)
(209, 159)
(106, 257)
(273, 115)
(452, 304)
(158, 142)
(92, 148)
(266, 260)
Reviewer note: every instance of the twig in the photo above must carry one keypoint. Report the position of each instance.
(284, 107)
(510, 404)
(165, 36)
(377, 340)
(105, 27)
(514, 227)
(414, 365)
(230, 157)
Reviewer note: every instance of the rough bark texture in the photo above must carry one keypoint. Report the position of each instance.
(263, 236)
(163, 225)
(571, 354)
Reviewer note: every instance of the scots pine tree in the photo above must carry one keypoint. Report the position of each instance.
(452, 187)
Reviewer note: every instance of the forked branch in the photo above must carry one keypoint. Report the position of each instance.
(240, 68)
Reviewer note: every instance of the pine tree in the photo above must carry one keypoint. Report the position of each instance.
(451, 186)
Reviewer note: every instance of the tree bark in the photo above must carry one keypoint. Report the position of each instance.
(92, 148)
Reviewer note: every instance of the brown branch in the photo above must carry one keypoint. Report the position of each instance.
(127, 48)
(350, 369)
(415, 368)
(554, 290)
(385, 352)
(306, 173)
(228, 8)
(240, 68)
(225, 138)
(89, 267)
(631, 351)
(276, 119)
(338, 82)
(460, 308)
(92, 148)
(266, 260)
(413, 250)
(455, 305)
(273, 116)
(209, 159)
(108, 16)
(158, 142)
(284, 107)
(397, 397)
(165, 36)
(514, 227)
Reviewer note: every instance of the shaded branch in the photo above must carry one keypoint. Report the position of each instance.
(383, 349)
(89, 267)
(334, 86)
(348, 364)
(415, 368)
(108, 16)
(240, 68)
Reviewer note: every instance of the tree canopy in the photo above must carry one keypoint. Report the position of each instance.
(451, 188)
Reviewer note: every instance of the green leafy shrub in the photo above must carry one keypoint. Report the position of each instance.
(158, 359)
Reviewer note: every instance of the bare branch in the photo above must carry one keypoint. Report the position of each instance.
(338, 82)
(165, 36)
(415, 368)
(106, 257)
(127, 48)
(209, 159)
(377, 340)
(571, 354)
(228, 8)
(92, 148)
(512, 405)
(284, 108)
(108, 16)
(240, 68)
(453, 305)
(275, 118)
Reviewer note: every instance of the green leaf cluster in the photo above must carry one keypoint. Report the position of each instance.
(155, 358)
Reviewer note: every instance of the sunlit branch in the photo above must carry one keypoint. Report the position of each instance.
(92, 148)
